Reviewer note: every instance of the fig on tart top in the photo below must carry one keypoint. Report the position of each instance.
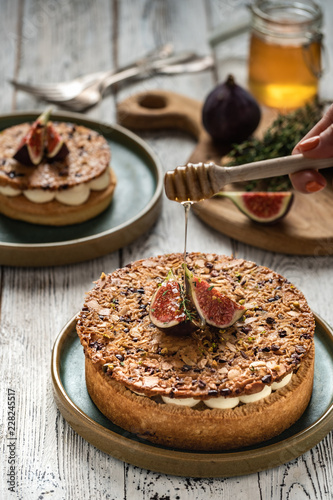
(87, 159)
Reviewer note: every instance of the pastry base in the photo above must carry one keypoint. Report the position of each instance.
(209, 429)
(54, 213)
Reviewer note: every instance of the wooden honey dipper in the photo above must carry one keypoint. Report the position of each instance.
(199, 181)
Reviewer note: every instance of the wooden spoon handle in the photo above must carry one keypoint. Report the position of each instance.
(273, 167)
(155, 109)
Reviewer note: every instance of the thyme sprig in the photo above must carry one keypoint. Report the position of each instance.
(186, 304)
(278, 140)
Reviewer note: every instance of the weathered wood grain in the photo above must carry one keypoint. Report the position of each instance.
(57, 39)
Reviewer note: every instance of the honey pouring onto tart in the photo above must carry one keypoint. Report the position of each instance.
(222, 361)
(54, 173)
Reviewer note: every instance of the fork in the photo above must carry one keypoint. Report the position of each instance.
(63, 91)
(93, 94)
(196, 182)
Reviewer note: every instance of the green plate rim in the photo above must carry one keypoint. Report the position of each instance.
(179, 463)
(153, 204)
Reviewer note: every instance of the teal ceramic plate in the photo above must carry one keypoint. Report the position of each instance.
(77, 408)
(134, 208)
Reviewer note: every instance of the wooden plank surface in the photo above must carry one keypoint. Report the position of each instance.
(54, 40)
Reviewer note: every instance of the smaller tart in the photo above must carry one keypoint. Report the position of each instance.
(88, 159)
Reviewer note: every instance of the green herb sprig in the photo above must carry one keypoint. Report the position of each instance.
(278, 140)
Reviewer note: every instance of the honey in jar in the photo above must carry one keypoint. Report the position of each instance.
(285, 52)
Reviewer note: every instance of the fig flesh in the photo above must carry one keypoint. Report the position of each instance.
(167, 308)
(230, 113)
(56, 148)
(262, 207)
(31, 148)
(213, 307)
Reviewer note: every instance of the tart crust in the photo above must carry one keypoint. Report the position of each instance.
(206, 430)
(54, 213)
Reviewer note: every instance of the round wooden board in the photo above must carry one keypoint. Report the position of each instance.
(136, 205)
(306, 230)
(74, 403)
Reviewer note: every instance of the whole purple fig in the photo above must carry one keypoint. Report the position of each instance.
(230, 113)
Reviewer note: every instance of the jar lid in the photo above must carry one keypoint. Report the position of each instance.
(286, 18)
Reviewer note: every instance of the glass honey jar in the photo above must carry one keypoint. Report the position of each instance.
(285, 52)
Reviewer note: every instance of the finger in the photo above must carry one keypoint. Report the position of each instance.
(319, 146)
(321, 126)
(306, 145)
(308, 181)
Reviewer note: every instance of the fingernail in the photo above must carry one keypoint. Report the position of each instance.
(310, 143)
(313, 186)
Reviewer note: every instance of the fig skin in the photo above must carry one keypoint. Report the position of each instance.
(59, 151)
(216, 304)
(168, 300)
(26, 151)
(230, 114)
(278, 203)
(43, 133)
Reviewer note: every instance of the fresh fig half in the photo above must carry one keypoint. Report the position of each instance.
(213, 307)
(262, 207)
(31, 148)
(167, 308)
(56, 148)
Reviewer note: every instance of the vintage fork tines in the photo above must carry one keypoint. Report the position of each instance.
(66, 90)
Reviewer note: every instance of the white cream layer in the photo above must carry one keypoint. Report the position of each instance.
(74, 196)
(223, 403)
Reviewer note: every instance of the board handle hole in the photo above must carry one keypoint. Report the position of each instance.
(152, 101)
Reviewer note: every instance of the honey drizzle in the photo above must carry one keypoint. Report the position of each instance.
(187, 206)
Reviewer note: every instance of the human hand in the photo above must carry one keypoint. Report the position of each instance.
(318, 143)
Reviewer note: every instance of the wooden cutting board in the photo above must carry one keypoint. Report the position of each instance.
(308, 227)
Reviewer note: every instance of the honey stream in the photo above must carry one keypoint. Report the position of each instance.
(187, 206)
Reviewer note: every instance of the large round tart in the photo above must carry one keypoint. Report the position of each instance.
(137, 374)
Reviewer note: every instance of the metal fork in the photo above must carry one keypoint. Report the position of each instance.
(63, 91)
(93, 94)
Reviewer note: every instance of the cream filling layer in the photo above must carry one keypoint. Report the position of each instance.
(223, 403)
(76, 195)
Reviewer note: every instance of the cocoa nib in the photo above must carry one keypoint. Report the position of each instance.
(225, 392)
(186, 368)
(96, 345)
(273, 299)
(266, 379)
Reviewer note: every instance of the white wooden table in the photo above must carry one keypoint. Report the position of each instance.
(57, 40)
